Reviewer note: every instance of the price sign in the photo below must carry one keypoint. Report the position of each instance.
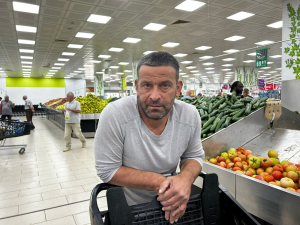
(261, 58)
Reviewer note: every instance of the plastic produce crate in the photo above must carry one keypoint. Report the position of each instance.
(211, 205)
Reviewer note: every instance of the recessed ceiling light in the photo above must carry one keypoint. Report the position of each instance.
(116, 49)
(240, 16)
(207, 64)
(186, 62)
(114, 67)
(226, 69)
(25, 7)
(131, 40)
(59, 64)
(73, 73)
(26, 29)
(74, 46)
(26, 69)
(273, 72)
(104, 56)
(190, 67)
(57, 68)
(26, 76)
(67, 77)
(189, 5)
(27, 50)
(265, 68)
(206, 57)
(95, 61)
(276, 56)
(262, 76)
(27, 42)
(229, 72)
(234, 38)
(154, 26)
(249, 61)
(267, 74)
(119, 73)
(123, 63)
(25, 62)
(62, 59)
(26, 66)
(210, 72)
(170, 44)
(252, 54)
(197, 74)
(76, 71)
(278, 69)
(98, 19)
(51, 73)
(88, 65)
(68, 53)
(276, 25)
(53, 70)
(264, 42)
(231, 51)
(227, 65)
(127, 71)
(148, 52)
(81, 69)
(270, 63)
(26, 72)
(129, 76)
(113, 75)
(180, 55)
(26, 57)
(182, 73)
(228, 59)
(185, 76)
(84, 35)
(194, 71)
(209, 68)
(203, 48)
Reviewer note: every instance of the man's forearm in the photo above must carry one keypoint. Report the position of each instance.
(137, 179)
(190, 169)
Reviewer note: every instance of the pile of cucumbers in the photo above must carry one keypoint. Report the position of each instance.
(218, 112)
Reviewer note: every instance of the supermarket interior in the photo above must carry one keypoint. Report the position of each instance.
(97, 94)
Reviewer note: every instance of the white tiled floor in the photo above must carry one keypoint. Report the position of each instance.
(46, 186)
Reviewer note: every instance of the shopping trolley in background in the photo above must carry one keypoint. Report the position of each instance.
(211, 205)
(13, 128)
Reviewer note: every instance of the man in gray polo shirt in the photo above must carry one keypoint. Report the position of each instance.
(6, 108)
(141, 137)
(72, 122)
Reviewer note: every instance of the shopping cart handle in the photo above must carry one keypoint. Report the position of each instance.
(93, 201)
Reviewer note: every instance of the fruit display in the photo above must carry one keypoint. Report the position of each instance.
(61, 106)
(268, 169)
(62, 102)
(52, 102)
(219, 112)
(91, 104)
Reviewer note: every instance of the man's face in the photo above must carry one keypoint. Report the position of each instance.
(246, 94)
(239, 88)
(24, 98)
(70, 98)
(156, 90)
(6, 99)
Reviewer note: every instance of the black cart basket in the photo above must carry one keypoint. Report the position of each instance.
(211, 205)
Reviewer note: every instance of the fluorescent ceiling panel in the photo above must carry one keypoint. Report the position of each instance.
(127, 71)
(231, 51)
(131, 40)
(234, 38)
(276, 25)
(74, 46)
(84, 35)
(170, 44)
(209, 68)
(249, 61)
(27, 42)
(68, 53)
(190, 5)
(226, 69)
(228, 59)
(203, 48)
(95, 61)
(26, 29)
(180, 55)
(208, 64)
(56, 68)
(123, 63)
(62, 59)
(26, 66)
(252, 54)
(104, 56)
(26, 50)
(194, 71)
(24, 7)
(115, 49)
(266, 42)
(265, 68)
(191, 67)
(98, 19)
(25, 62)
(114, 67)
(148, 52)
(59, 64)
(26, 57)
(240, 16)
(227, 65)
(276, 56)
(154, 26)
(206, 57)
(186, 62)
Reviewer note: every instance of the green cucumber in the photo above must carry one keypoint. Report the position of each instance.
(205, 130)
(210, 134)
(210, 108)
(254, 101)
(235, 119)
(247, 99)
(228, 103)
(256, 105)
(223, 105)
(201, 111)
(220, 115)
(218, 103)
(227, 122)
(262, 104)
(237, 106)
(213, 113)
(210, 121)
(240, 113)
(217, 120)
(264, 99)
(248, 109)
(204, 117)
(221, 122)
(233, 110)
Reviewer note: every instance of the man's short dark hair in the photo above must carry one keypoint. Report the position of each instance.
(156, 59)
(246, 90)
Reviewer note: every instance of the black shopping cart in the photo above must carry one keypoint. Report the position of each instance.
(211, 205)
(13, 128)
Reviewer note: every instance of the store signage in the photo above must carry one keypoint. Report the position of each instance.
(200, 85)
(90, 89)
(261, 83)
(124, 84)
(261, 58)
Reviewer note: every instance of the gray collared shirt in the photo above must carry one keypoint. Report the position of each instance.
(74, 117)
(6, 107)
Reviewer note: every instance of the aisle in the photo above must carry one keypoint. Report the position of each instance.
(46, 184)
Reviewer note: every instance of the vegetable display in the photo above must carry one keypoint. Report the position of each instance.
(218, 112)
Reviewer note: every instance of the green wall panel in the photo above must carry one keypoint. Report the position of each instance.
(34, 82)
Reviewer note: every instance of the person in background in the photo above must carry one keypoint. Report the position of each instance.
(181, 95)
(199, 94)
(238, 87)
(6, 108)
(29, 111)
(0, 99)
(246, 93)
(74, 108)
(220, 94)
(188, 95)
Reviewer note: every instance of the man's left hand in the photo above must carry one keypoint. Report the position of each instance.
(174, 195)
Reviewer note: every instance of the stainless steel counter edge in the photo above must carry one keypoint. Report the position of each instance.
(83, 116)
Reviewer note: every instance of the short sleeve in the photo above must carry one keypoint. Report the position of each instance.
(109, 143)
(78, 106)
(194, 149)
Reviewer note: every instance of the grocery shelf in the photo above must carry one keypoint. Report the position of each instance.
(268, 202)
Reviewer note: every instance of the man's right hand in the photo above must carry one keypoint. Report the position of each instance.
(63, 110)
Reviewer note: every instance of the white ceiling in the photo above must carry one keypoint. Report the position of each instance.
(62, 19)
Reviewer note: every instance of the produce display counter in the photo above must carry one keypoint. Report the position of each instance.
(273, 204)
(88, 122)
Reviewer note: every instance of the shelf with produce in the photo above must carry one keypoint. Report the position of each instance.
(254, 134)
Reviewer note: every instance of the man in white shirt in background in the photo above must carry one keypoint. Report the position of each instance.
(29, 111)
(73, 107)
